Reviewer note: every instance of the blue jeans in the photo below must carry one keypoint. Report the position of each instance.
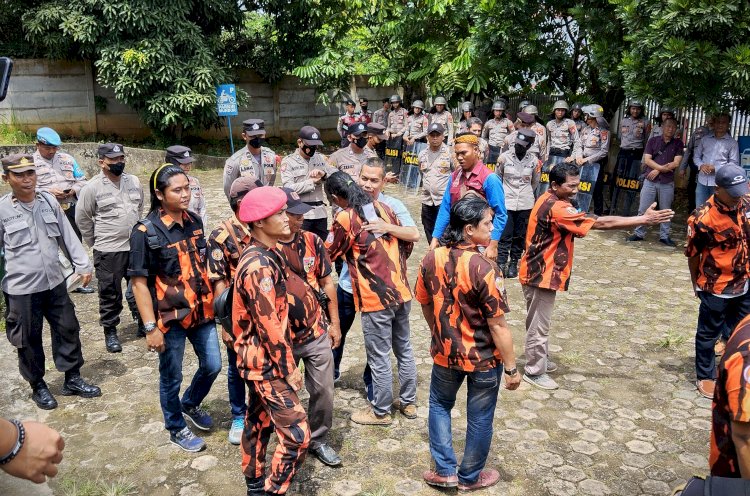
(206, 346)
(235, 385)
(347, 312)
(717, 318)
(483, 388)
(702, 193)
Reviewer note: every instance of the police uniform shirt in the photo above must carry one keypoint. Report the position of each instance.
(197, 200)
(519, 177)
(563, 134)
(31, 235)
(62, 172)
(417, 126)
(633, 133)
(436, 168)
(295, 171)
(106, 212)
(397, 120)
(510, 142)
(347, 161)
(243, 163)
(579, 125)
(380, 116)
(365, 117)
(541, 138)
(592, 144)
(446, 119)
(495, 131)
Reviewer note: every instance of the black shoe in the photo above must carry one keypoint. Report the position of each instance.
(503, 266)
(112, 341)
(668, 242)
(85, 290)
(75, 386)
(634, 237)
(512, 269)
(327, 455)
(255, 486)
(43, 397)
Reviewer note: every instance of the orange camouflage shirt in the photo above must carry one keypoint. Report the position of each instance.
(719, 236)
(306, 262)
(263, 340)
(225, 246)
(548, 259)
(377, 265)
(731, 401)
(175, 265)
(465, 290)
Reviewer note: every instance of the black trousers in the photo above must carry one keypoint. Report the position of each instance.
(317, 226)
(691, 187)
(513, 238)
(70, 213)
(24, 316)
(111, 268)
(598, 195)
(429, 216)
(380, 150)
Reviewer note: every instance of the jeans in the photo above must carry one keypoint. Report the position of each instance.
(235, 385)
(651, 192)
(482, 392)
(702, 193)
(206, 346)
(717, 317)
(347, 312)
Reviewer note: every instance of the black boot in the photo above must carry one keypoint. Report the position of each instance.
(137, 317)
(502, 265)
(255, 486)
(42, 396)
(512, 269)
(75, 386)
(111, 340)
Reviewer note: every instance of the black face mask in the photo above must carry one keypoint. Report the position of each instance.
(309, 150)
(520, 150)
(361, 142)
(256, 141)
(363, 107)
(117, 168)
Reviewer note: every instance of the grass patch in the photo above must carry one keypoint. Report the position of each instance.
(573, 358)
(11, 135)
(75, 487)
(671, 340)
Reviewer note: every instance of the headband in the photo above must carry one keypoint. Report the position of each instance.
(467, 138)
(158, 171)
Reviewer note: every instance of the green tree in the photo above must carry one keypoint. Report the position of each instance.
(161, 58)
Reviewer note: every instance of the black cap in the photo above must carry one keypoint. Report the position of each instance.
(254, 127)
(294, 205)
(358, 128)
(111, 150)
(436, 127)
(310, 136)
(178, 154)
(377, 130)
(525, 137)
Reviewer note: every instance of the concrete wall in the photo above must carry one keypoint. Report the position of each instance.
(62, 95)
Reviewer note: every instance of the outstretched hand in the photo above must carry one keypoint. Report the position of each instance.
(653, 216)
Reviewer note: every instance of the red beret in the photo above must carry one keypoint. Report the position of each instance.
(260, 203)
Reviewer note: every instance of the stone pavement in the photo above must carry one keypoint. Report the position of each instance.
(627, 419)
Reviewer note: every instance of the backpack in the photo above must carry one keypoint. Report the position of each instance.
(715, 486)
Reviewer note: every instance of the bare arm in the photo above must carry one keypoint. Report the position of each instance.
(143, 299)
(693, 264)
(334, 331)
(504, 342)
(741, 440)
(650, 217)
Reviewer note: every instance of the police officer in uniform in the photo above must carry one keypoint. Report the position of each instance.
(523, 121)
(394, 131)
(352, 158)
(108, 208)
(256, 160)
(576, 113)
(59, 174)
(32, 231)
(664, 114)
(364, 115)
(563, 135)
(376, 139)
(441, 115)
(417, 123)
(540, 130)
(590, 154)
(634, 128)
(345, 121)
(436, 166)
(467, 112)
(496, 129)
(182, 157)
(303, 172)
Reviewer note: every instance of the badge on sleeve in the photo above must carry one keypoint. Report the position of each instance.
(571, 210)
(500, 284)
(216, 254)
(266, 284)
(308, 263)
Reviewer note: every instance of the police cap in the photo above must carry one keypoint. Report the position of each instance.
(310, 136)
(525, 137)
(48, 136)
(18, 162)
(377, 130)
(110, 150)
(253, 127)
(358, 128)
(242, 185)
(436, 127)
(526, 118)
(178, 154)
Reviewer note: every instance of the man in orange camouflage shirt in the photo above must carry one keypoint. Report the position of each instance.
(554, 224)
(263, 343)
(717, 252)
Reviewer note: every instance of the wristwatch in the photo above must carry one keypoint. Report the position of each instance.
(511, 372)
(149, 327)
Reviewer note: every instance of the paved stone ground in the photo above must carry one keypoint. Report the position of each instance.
(627, 419)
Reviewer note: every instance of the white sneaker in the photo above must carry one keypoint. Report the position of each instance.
(541, 381)
(235, 431)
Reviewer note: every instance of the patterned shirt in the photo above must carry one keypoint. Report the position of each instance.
(731, 401)
(719, 236)
(260, 311)
(548, 259)
(306, 263)
(175, 265)
(377, 264)
(225, 246)
(465, 291)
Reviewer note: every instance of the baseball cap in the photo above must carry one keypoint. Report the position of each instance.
(242, 185)
(48, 136)
(733, 179)
(261, 203)
(525, 137)
(18, 162)
(180, 154)
(111, 150)
(294, 205)
(310, 136)
(358, 128)
(436, 128)
(376, 129)
(526, 118)
(253, 127)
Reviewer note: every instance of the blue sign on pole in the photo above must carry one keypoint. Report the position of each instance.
(226, 105)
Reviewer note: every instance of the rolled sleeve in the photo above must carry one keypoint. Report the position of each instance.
(138, 263)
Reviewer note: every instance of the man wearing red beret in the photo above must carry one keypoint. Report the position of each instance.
(263, 343)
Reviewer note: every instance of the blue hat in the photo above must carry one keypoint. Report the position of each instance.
(48, 136)
(733, 179)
